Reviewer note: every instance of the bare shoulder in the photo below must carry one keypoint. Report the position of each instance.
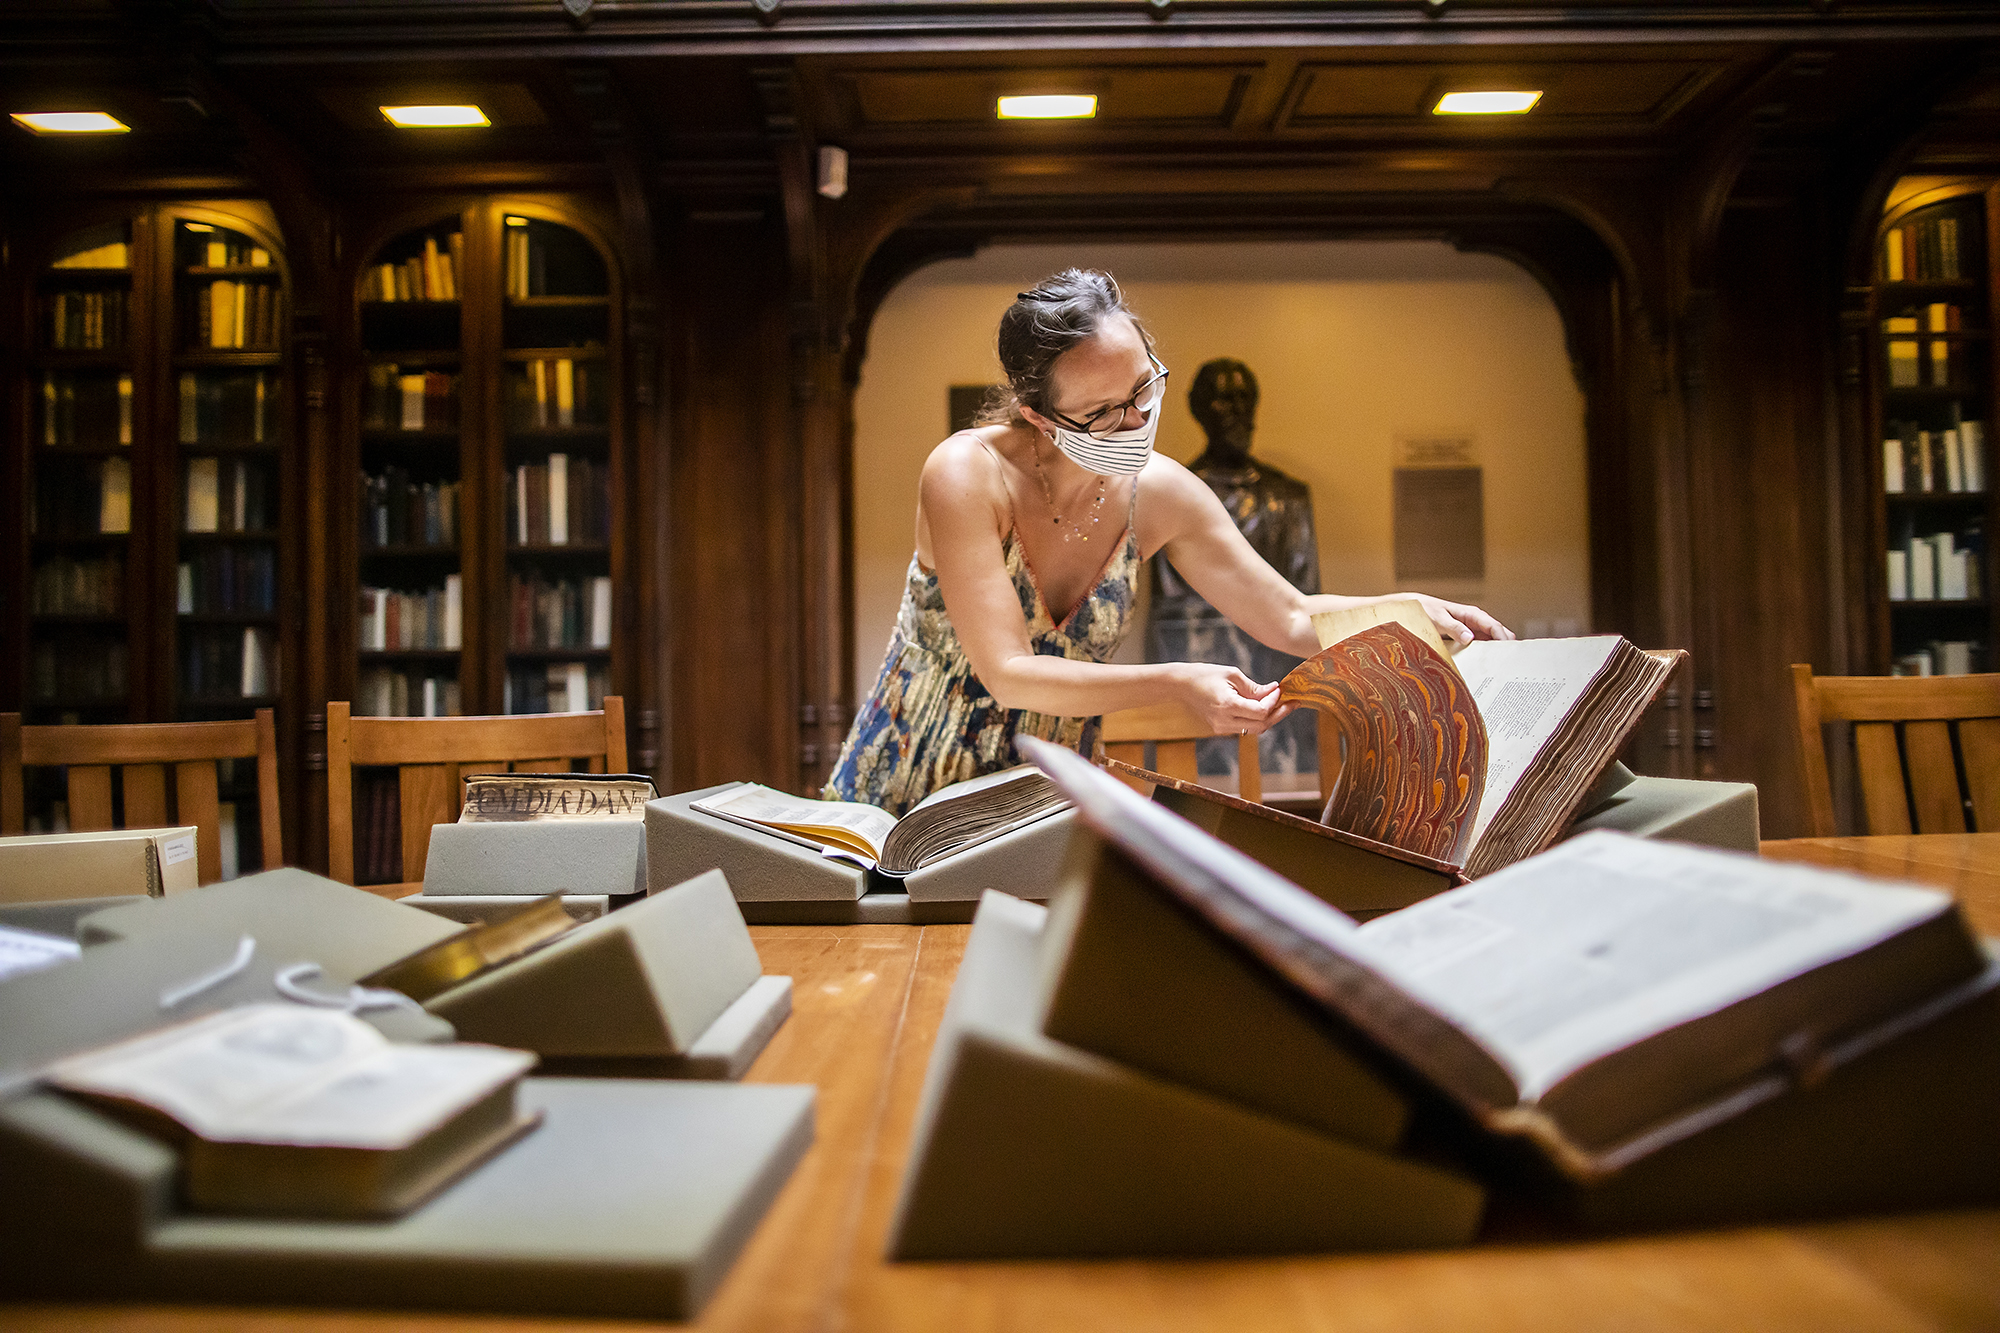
(964, 486)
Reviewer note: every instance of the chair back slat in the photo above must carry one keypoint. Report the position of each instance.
(541, 766)
(1881, 766)
(431, 795)
(199, 800)
(145, 795)
(1927, 749)
(1906, 698)
(1933, 777)
(138, 743)
(89, 797)
(1979, 744)
(142, 753)
(387, 741)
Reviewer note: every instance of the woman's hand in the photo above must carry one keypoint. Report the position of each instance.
(1229, 701)
(1458, 623)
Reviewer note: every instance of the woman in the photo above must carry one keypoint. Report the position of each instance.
(1031, 528)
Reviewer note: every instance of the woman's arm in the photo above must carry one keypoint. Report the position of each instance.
(1219, 563)
(965, 505)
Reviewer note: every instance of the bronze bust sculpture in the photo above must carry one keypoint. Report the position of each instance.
(1272, 510)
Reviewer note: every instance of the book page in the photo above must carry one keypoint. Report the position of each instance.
(1525, 688)
(1608, 939)
(24, 951)
(1333, 626)
(847, 825)
(283, 1073)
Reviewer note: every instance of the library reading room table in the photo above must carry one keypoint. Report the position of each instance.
(868, 1002)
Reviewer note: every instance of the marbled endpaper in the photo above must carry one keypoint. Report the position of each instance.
(1415, 743)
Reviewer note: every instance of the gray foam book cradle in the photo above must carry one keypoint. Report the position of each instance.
(89, 1208)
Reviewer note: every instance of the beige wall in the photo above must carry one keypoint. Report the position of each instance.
(1353, 344)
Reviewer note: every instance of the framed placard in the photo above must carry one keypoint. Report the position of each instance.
(1440, 507)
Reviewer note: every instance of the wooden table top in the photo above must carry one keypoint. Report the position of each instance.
(868, 1003)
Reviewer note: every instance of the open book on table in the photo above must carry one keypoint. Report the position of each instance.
(1494, 782)
(284, 1109)
(946, 822)
(1602, 1000)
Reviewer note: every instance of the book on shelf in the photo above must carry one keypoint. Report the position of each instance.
(422, 400)
(233, 314)
(1899, 575)
(66, 587)
(86, 321)
(561, 501)
(234, 254)
(78, 673)
(393, 621)
(570, 613)
(87, 410)
(432, 275)
(1599, 1002)
(512, 798)
(388, 692)
(526, 265)
(224, 408)
(1923, 249)
(114, 514)
(228, 580)
(291, 1110)
(203, 495)
(1490, 754)
(559, 393)
(1903, 368)
(950, 820)
(259, 674)
(397, 510)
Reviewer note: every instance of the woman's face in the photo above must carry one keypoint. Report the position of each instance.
(1104, 369)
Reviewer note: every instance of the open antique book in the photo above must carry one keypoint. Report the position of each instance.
(289, 1110)
(1602, 1000)
(1482, 785)
(945, 823)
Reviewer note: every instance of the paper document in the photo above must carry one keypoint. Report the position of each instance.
(1524, 690)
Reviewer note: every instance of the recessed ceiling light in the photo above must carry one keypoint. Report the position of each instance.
(197, 226)
(434, 117)
(70, 122)
(1485, 103)
(1049, 106)
(513, 221)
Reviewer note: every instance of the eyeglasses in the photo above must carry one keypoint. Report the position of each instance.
(1107, 420)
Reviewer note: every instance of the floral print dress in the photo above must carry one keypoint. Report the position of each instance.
(929, 722)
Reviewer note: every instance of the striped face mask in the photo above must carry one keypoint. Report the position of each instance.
(1118, 454)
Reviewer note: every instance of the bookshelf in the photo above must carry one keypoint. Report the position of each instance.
(487, 423)
(154, 475)
(1933, 306)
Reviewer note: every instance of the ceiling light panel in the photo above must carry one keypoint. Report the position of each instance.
(70, 122)
(1049, 106)
(1510, 103)
(435, 117)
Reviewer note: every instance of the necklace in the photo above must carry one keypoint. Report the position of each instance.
(1096, 505)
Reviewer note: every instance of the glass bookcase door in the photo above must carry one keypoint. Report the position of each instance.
(82, 561)
(228, 437)
(410, 617)
(557, 462)
(1934, 321)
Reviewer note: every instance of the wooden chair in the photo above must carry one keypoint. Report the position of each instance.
(433, 756)
(1904, 729)
(1173, 730)
(141, 753)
